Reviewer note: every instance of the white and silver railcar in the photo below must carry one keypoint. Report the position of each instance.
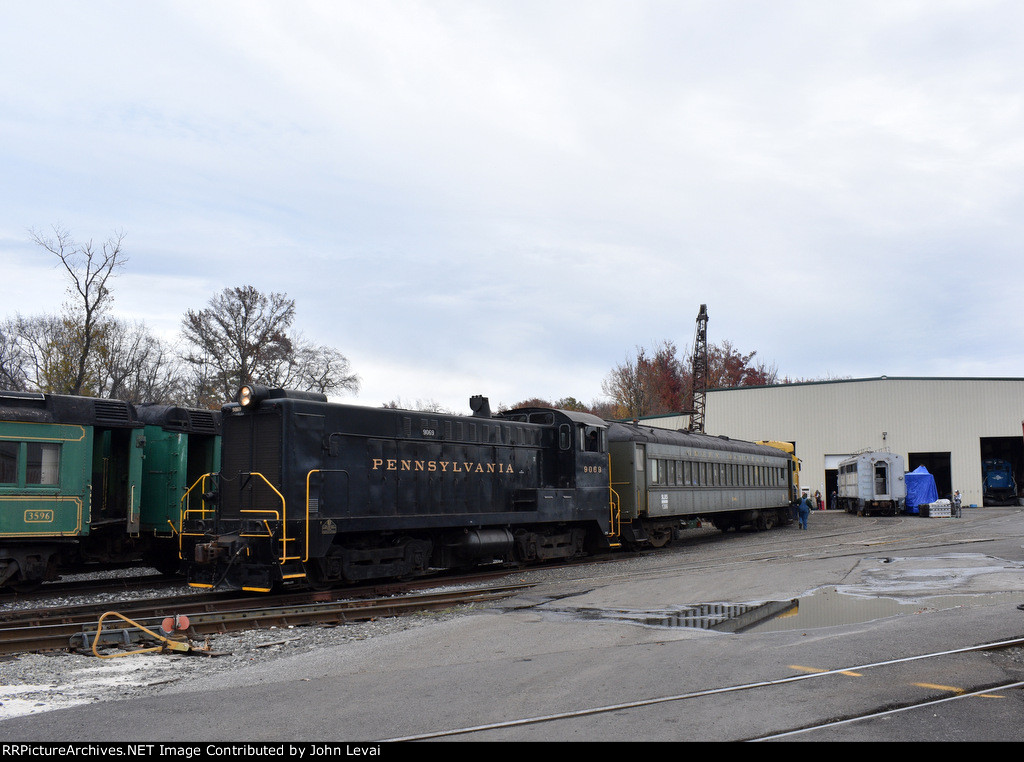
(872, 482)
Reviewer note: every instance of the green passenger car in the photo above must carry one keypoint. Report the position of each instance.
(87, 482)
(182, 450)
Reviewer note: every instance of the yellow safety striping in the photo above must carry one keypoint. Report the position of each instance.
(953, 689)
(936, 687)
(815, 670)
(930, 686)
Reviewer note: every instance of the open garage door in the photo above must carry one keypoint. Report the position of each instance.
(938, 465)
(1002, 467)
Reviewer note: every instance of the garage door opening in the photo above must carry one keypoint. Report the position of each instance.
(1001, 469)
(938, 465)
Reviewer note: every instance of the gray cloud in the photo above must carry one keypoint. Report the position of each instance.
(507, 198)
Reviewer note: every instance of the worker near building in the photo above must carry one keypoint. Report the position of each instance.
(803, 509)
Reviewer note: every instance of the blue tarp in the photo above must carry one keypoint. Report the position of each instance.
(921, 489)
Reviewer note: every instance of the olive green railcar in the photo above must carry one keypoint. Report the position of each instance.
(667, 480)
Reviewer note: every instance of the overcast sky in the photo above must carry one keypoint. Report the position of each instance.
(507, 197)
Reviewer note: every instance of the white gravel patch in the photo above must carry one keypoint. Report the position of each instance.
(35, 683)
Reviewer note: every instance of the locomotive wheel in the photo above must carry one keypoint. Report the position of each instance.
(26, 587)
(659, 537)
(766, 521)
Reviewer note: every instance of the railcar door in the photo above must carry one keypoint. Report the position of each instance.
(117, 478)
(881, 480)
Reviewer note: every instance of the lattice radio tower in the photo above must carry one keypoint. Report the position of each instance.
(700, 369)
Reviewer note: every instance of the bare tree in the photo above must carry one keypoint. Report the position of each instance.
(322, 369)
(242, 337)
(135, 366)
(50, 348)
(89, 268)
(12, 359)
(420, 405)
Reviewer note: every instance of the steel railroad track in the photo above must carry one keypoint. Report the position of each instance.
(76, 627)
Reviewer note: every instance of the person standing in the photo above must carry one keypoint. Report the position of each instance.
(803, 510)
(956, 504)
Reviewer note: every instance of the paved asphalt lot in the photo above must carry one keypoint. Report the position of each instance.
(876, 612)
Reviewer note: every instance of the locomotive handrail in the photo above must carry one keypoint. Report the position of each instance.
(184, 510)
(282, 516)
(614, 506)
(184, 497)
(615, 511)
(278, 515)
(308, 475)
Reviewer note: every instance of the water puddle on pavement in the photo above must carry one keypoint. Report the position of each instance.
(829, 607)
(823, 608)
(878, 588)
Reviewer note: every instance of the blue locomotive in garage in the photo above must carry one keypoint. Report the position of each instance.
(315, 493)
(997, 483)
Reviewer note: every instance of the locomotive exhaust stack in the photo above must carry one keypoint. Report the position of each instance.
(480, 405)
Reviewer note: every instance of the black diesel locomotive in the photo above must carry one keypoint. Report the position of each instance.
(315, 493)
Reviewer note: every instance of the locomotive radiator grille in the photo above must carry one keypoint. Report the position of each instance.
(251, 445)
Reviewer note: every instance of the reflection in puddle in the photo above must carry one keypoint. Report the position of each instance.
(828, 607)
(824, 608)
(722, 617)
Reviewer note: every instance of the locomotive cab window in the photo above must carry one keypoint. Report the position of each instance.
(592, 439)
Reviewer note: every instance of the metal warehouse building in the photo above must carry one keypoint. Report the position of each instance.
(949, 425)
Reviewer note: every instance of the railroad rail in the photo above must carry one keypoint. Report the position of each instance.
(91, 585)
(76, 628)
(926, 702)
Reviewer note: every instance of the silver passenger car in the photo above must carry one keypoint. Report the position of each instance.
(872, 482)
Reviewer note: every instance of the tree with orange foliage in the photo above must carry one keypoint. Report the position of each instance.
(660, 382)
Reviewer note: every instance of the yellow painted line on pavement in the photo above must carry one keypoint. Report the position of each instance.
(955, 690)
(814, 670)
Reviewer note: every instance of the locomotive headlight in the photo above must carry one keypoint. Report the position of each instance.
(250, 394)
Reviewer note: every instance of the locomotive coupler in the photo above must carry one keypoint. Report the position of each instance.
(223, 547)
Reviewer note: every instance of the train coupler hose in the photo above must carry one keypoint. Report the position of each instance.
(171, 638)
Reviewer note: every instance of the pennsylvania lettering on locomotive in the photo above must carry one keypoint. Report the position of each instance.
(443, 466)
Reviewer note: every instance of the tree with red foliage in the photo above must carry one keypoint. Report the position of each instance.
(661, 382)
